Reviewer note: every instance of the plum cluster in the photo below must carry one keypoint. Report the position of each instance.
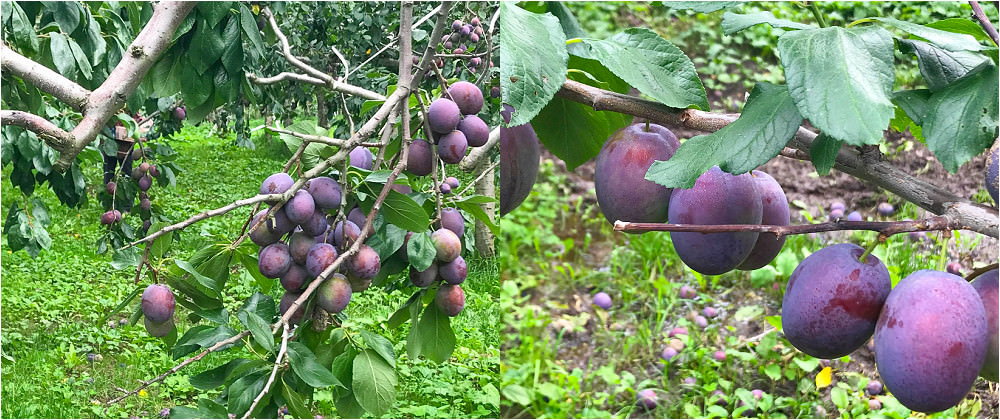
(455, 127)
(463, 40)
(448, 269)
(140, 176)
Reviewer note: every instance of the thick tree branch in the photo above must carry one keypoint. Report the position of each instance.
(984, 21)
(52, 135)
(285, 75)
(330, 82)
(868, 165)
(43, 78)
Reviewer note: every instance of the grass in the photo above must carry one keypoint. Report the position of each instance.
(52, 305)
(567, 358)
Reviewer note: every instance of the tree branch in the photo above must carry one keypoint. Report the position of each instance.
(280, 77)
(984, 21)
(865, 165)
(979, 271)
(274, 372)
(43, 78)
(52, 135)
(312, 138)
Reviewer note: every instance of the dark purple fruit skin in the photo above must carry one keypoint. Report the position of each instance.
(452, 147)
(274, 260)
(298, 246)
(111, 187)
(775, 207)
(108, 217)
(451, 219)
(286, 302)
(320, 257)
(646, 399)
(445, 188)
(454, 272)
(986, 285)
(158, 303)
(353, 231)
(716, 198)
(145, 204)
(424, 278)
(420, 161)
(362, 158)
(931, 340)
(145, 182)
(295, 278)
(450, 298)
(495, 92)
(519, 155)
(467, 96)
(180, 113)
(402, 188)
(623, 193)
(326, 192)
(453, 182)
(446, 244)
(475, 129)
(365, 263)
(334, 294)
(992, 171)
(317, 223)
(158, 329)
(358, 217)
(276, 183)
(443, 115)
(300, 207)
(266, 233)
(358, 284)
(832, 301)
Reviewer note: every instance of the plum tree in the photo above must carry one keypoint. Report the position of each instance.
(454, 271)
(450, 298)
(475, 130)
(775, 207)
(158, 303)
(320, 257)
(931, 340)
(443, 116)
(444, 188)
(276, 183)
(295, 278)
(274, 260)
(334, 294)
(716, 198)
(180, 113)
(447, 246)
(420, 160)
(362, 158)
(466, 95)
(145, 183)
(833, 300)
(424, 278)
(623, 193)
(454, 182)
(452, 220)
(602, 300)
(365, 263)
(298, 246)
(986, 285)
(111, 187)
(452, 147)
(519, 155)
(325, 191)
(108, 217)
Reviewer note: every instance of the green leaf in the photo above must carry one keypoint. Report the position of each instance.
(244, 390)
(839, 397)
(824, 153)
(948, 40)
(373, 382)
(479, 214)
(518, 394)
(575, 132)
(420, 250)
(232, 55)
(773, 371)
(122, 305)
(961, 26)
(304, 364)
(774, 320)
(62, 54)
(532, 60)
(734, 22)
(386, 238)
(402, 211)
(200, 278)
(768, 121)
(66, 14)
(296, 404)
(701, 6)
(962, 119)
(82, 60)
(94, 41)
(161, 244)
(214, 11)
(206, 47)
(381, 345)
(570, 26)
(207, 409)
(124, 258)
(913, 103)
(653, 65)
(23, 28)
(195, 89)
(249, 24)
(215, 377)
(259, 329)
(164, 83)
(939, 66)
(201, 336)
(434, 333)
(841, 80)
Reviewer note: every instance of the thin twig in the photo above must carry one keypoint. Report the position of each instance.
(979, 271)
(984, 21)
(274, 372)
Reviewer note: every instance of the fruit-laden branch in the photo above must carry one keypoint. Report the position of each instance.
(885, 229)
(478, 154)
(329, 81)
(867, 165)
(106, 100)
(984, 21)
(43, 78)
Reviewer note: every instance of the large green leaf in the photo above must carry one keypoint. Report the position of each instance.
(434, 334)
(961, 119)
(23, 28)
(65, 13)
(735, 22)
(913, 102)
(768, 121)
(402, 211)
(214, 11)
(244, 390)
(202, 336)
(701, 6)
(215, 377)
(207, 409)
(532, 60)
(381, 345)
(195, 89)
(304, 364)
(206, 47)
(200, 278)
(232, 55)
(939, 66)
(961, 26)
(420, 250)
(841, 80)
(653, 65)
(62, 54)
(373, 382)
(296, 403)
(575, 132)
(824, 153)
(950, 41)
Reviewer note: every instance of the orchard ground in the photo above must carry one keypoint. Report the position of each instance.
(52, 305)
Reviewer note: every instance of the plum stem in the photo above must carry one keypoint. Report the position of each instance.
(871, 247)
(979, 271)
(817, 14)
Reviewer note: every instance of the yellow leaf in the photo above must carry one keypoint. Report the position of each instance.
(824, 377)
(144, 394)
(256, 9)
